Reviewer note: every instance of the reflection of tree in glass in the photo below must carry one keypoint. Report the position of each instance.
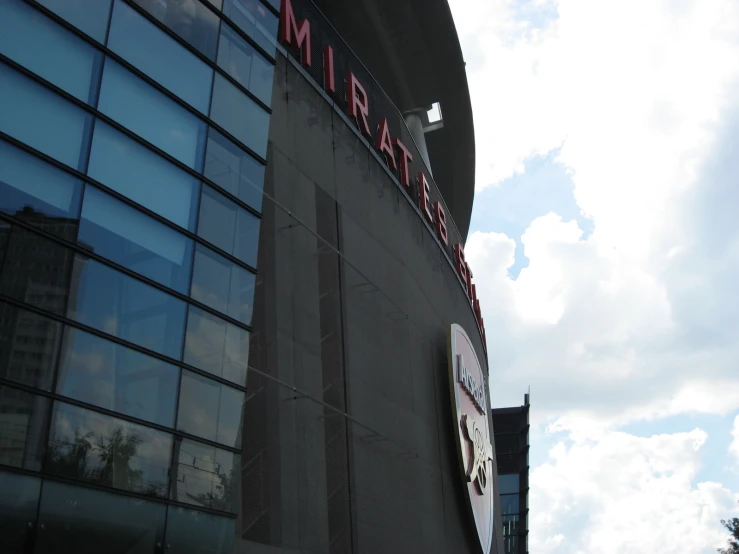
(220, 498)
(70, 457)
(116, 451)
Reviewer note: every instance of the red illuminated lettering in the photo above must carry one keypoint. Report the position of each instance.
(358, 107)
(290, 33)
(329, 81)
(469, 281)
(460, 262)
(384, 145)
(405, 160)
(424, 201)
(440, 218)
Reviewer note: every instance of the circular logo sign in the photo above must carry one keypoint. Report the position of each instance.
(472, 431)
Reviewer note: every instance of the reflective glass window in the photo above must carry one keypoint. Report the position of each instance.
(275, 4)
(126, 308)
(228, 226)
(241, 60)
(234, 170)
(94, 447)
(204, 475)
(33, 114)
(78, 520)
(138, 173)
(90, 16)
(216, 346)
(135, 240)
(23, 418)
(117, 378)
(509, 503)
(239, 115)
(222, 285)
(48, 49)
(209, 409)
(216, 3)
(188, 19)
(255, 20)
(37, 270)
(18, 508)
(150, 114)
(39, 191)
(28, 347)
(160, 56)
(194, 532)
(508, 483)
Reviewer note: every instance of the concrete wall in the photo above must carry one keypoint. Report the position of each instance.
(348, 437)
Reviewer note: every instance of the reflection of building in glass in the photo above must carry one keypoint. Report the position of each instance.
(512, 454)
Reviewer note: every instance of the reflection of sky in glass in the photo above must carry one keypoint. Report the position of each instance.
(103, 373)
(216, 346)
(151, 456)
(209, 409)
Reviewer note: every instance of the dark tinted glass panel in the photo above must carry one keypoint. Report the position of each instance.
(509, 503)
(216, 346)
(28, 347)
(159, 56)
(234, 170)
(228, 226)
(127, 308)
(241, 60)
(205, 475)
(130, 169)
(210, 410)
(275, 4)
(239, 115)
(150, 114)
(77, 520)
(135, 240)
(46, 48)
(193, 532)
(255, 20)
(508, 483)
(18, 506)
(223, 285)
(37, 270)
(35, 115)
(91, 16)
(23, 418)
(39, 190)
(93, 447)
(188, 19)
(117, 378)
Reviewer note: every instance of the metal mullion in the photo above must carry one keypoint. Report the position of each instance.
(117, 340)
(122, 492)
(77, 249)
(126, 200)
(130, 134)
(56, 397)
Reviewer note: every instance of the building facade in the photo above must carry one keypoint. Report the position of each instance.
(512, 456)
(231, 251)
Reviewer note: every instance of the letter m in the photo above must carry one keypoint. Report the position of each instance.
(291, 34)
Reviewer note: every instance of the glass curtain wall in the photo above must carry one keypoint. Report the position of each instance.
(133, 137)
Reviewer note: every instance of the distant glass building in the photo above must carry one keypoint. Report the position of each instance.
(512, 455)
(228, 276)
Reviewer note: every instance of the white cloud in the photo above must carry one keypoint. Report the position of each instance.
(734, 446)
(637, 321)
(626, 494)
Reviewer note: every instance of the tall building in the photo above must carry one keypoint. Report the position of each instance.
(512, 456)
(235, 311)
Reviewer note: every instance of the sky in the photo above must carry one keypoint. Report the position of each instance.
(605, 246)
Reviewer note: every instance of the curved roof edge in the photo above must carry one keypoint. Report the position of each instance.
(412, 49)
